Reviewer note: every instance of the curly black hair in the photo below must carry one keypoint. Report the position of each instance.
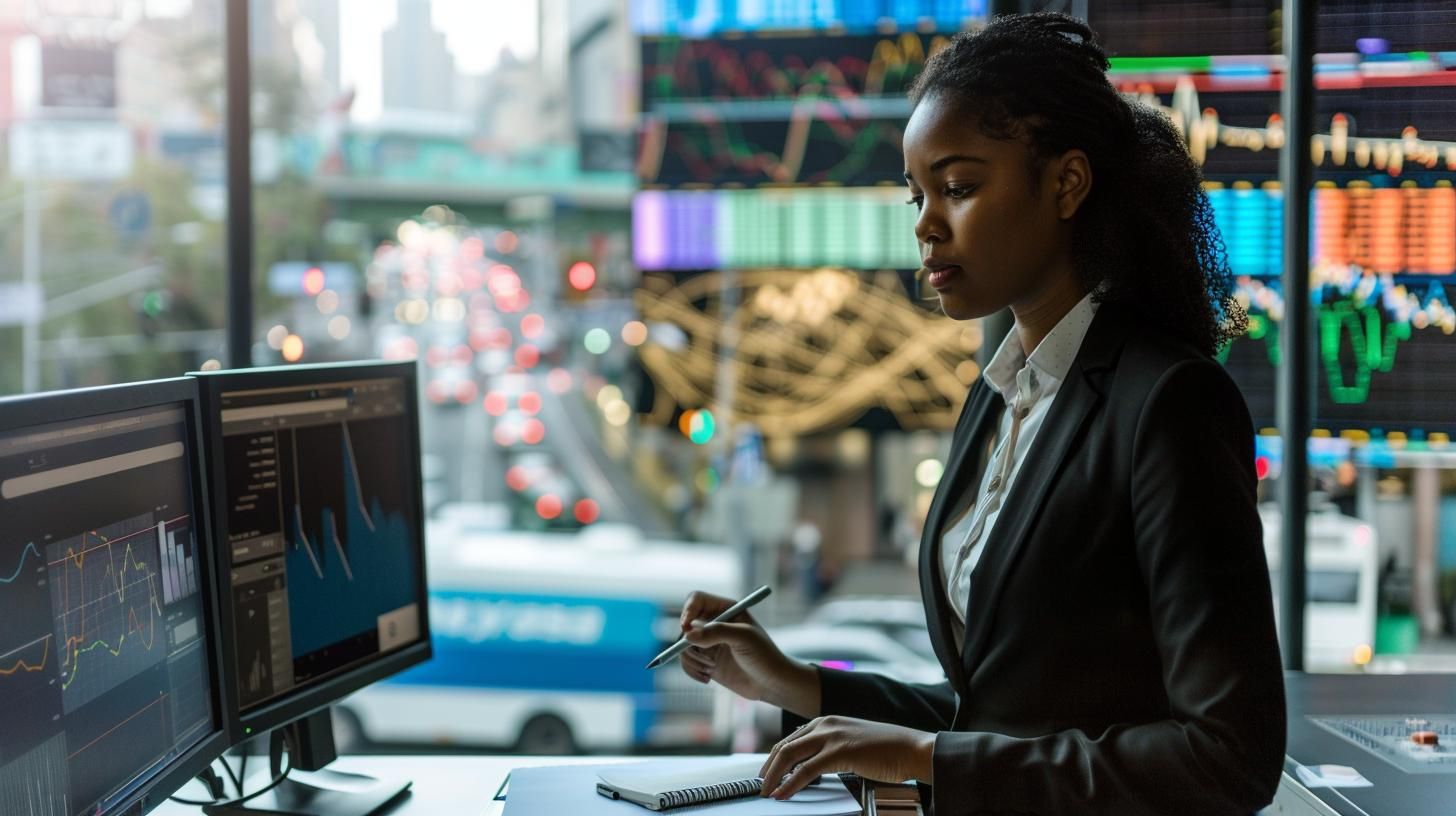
(1145, 234)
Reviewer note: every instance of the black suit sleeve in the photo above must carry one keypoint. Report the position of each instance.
(924, 706)
(1198, 542)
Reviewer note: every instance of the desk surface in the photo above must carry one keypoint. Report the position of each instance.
(466, 785)
(1395, 792)
(443, 785)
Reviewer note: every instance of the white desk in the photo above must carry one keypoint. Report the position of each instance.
(443, 785)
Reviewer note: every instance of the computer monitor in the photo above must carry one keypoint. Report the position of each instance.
(318, 506)
(110, 693)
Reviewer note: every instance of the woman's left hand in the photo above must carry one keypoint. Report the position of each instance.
(874, 750)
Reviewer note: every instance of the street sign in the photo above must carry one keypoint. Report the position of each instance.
(70, 150)
(130, 214)
(78, 76)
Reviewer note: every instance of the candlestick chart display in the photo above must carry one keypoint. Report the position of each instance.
(784, 152)
(1383, 223)
(786, 110)
(777, 152)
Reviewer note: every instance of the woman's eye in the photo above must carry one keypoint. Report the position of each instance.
(958, 192)
(918, 201)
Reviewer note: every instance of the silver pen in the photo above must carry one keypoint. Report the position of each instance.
(682, 643)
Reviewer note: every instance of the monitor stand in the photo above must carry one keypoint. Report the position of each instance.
(319, 791)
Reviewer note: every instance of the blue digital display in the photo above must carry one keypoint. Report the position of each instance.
(704, 18)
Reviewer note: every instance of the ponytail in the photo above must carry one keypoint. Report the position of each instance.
(1149, 239)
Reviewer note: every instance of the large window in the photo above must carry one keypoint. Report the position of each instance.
(654, 261)
(111, 191)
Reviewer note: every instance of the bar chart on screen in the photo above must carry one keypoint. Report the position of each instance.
(179, 564)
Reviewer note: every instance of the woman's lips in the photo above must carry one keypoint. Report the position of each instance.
(941, 277)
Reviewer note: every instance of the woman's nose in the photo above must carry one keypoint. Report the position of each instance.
(929, 228)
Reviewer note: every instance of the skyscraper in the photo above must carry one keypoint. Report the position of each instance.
(324, 17)
(419, 71)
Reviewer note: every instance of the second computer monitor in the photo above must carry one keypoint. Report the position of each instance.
(316, 474)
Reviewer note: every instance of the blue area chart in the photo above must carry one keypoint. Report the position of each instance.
(346, 565)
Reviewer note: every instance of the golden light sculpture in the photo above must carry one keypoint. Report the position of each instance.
(807, 351)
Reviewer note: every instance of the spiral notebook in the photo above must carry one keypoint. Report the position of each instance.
(574, 790)
(665, 789)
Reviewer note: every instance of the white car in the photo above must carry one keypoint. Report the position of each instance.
(850, 648)
(857, 648)
(899, 617)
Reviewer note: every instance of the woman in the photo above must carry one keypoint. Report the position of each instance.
(1092, 566)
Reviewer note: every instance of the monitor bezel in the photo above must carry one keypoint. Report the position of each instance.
(315, 695)
(20, 412)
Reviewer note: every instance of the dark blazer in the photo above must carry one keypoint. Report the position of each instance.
(1120, 655)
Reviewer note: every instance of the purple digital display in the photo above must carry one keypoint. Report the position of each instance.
(649, 230)
(676, 230)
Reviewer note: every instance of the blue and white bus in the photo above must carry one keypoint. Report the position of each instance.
(540, 641)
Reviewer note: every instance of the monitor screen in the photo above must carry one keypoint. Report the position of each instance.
(319, 509)
(106, 665)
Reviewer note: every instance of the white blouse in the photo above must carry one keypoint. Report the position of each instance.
(1028, 385)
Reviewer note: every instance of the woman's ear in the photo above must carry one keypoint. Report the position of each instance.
(1074, 182)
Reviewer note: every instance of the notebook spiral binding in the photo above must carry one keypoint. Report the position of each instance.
(711, 793)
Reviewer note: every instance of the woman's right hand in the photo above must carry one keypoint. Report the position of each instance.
(741, 656)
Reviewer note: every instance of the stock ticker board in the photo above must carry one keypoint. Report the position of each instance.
(785, 152)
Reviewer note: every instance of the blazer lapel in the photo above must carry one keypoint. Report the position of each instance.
(969, 434)
(1078, 396)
